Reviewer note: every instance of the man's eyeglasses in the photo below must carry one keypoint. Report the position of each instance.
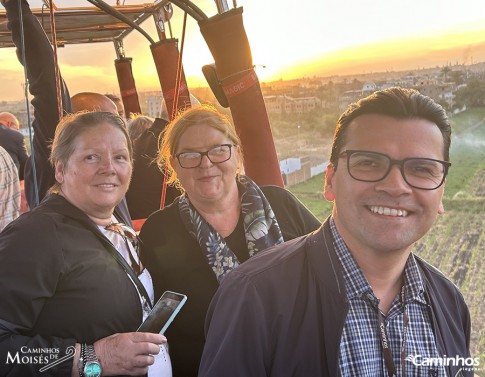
(420, 173)
(216, 155)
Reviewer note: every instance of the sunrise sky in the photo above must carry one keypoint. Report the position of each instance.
(291, 39)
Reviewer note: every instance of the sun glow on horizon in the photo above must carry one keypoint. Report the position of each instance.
(291, 40)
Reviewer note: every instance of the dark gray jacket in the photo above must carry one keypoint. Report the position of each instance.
(282, 313)
(13, 142)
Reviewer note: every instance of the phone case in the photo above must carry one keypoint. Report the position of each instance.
(163, 313)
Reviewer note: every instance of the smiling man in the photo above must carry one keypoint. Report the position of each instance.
(351, 299)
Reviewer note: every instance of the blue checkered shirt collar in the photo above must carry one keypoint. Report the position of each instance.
(356, 283)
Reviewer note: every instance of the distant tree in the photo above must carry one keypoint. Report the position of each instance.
(457, 77)
(444, 71)
(328, 94)
(473, 95)
(356, 84)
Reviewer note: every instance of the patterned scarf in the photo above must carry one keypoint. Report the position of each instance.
(261, 229)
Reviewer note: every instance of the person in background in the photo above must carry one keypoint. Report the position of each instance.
(352, 299)
(9, 120)
(9, 190)
(145, 192)
(120, 108)
(222, 220)
(138, 124)
(13, 141)
(91, 101)
(71, 279)
(39, 59)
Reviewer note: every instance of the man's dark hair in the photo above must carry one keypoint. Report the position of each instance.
(397, 103)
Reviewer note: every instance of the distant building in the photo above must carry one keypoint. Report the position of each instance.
(306, 104)
(368, 88)
(348, 97)
(153, 105)
(438, 91)
(283, 104)
(295, 170)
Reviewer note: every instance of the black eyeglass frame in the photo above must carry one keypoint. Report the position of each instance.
(349, 152)
(206, 153)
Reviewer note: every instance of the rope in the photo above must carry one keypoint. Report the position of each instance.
(175, 104)
(27, 103)
(164, 188)
(179, 71)
(56, 63)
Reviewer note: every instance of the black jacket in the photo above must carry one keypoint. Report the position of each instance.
(176, 262)
(143, 196)
(282, 314)
(39, 176)
(13, 142)
(59, 284)
(42, 85)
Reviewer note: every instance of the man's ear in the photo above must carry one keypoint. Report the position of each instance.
(328, 192)
(59, 172)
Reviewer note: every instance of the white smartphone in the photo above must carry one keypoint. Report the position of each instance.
(163, 313)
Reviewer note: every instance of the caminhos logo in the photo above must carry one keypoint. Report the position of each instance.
(419, 360)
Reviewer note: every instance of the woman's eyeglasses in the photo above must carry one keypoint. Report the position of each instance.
(216, 155)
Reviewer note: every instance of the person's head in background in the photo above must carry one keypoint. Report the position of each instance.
(137, 124)
(89, 101)
(119, 104)
(9, 120)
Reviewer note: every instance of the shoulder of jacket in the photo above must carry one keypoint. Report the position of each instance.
(166, 218)
(276, 257)
(436, 277)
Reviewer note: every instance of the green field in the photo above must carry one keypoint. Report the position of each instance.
(456, 244)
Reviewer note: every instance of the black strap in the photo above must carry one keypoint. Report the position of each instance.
(386, 347)
(385, 342)
(122, 262)
(64, 208)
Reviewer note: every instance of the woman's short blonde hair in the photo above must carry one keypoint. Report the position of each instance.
(203, 114)
(74, 125)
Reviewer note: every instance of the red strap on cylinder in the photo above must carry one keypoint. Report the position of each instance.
(166, 57)
(126, 81)
(229, 45)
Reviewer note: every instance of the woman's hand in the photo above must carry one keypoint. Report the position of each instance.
(128, 353)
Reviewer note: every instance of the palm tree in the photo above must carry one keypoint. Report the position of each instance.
(444, 71)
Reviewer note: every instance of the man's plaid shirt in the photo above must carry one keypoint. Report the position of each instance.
(360, 346)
